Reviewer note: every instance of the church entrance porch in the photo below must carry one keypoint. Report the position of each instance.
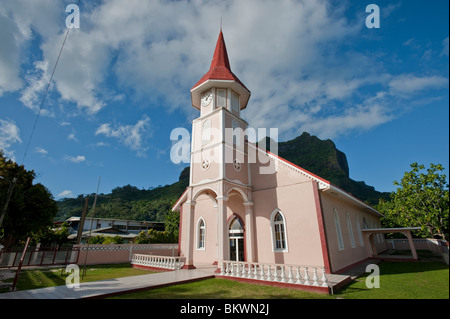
(236, 234)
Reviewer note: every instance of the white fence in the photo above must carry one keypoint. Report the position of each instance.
(158, 261)
(123, 253)
(300, 275)
(434, 245)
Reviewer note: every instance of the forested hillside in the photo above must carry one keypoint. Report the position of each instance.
(128, 202)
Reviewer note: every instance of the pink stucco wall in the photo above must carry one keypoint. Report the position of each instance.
(341, 258)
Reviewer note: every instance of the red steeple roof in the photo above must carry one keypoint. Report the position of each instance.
(220, 66)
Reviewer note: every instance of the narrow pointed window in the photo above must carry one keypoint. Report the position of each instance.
(350, 231)
(338, 230)
(278, 231)
(201, 234)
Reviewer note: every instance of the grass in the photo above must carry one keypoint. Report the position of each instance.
(219, 288)
(404, 280)
(398, 280)
(41, 278)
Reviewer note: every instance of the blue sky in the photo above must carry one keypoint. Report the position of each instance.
(123, 83)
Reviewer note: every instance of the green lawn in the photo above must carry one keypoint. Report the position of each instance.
(404, 280)
(219, 288)
(41, 278)
(398, 280)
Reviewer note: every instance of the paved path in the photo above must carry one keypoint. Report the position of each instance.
(103, 288)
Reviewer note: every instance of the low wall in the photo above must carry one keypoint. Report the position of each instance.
(434, 245)
(115, 254)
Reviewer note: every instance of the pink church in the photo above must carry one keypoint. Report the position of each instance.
(254, 214)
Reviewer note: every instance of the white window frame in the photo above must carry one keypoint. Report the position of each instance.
(201, 229)
(337, 223)
(221, 99)
(273, 226)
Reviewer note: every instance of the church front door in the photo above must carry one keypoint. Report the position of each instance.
(236, 234)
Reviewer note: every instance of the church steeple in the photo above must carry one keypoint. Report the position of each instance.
(220, 75)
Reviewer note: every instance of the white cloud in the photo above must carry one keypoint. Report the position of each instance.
(72, 137)
(9, 135)
(409, 83)
(19, 21)
(41, 150)
(75, 159)
(37, 80)
(132, 136)
(359, 119)
(66, 194)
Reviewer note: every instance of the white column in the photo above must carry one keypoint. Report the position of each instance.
(223, 231)
(249, 231)
(189, 215)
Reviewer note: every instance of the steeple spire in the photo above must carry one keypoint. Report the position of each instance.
(220, 76)
(220, 68)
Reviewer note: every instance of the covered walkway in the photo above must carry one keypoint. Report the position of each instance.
(369, 237)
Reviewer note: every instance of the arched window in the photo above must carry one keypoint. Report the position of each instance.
(365, 225)
(278, 231)
(236, 235)
(350, 231)
(338, 230)
(201, 234)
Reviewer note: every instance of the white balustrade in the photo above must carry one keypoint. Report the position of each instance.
(164, 262)
(299, 275)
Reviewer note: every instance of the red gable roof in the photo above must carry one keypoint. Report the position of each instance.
(220, 66)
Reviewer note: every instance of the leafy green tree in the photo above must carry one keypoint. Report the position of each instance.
(31, 206)
(155, 237)
(172, 223)
(48, 236)
(421, 200)
(112, 240)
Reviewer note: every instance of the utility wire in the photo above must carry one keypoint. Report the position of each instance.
(46, 92)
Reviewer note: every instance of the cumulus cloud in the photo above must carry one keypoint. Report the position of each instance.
(132, 136)
(409, 83)
(75, 159)
(66, 194)
(9, 135)
(18, 19)
(41, 150)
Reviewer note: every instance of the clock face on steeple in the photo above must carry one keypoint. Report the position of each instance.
(206, 98)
